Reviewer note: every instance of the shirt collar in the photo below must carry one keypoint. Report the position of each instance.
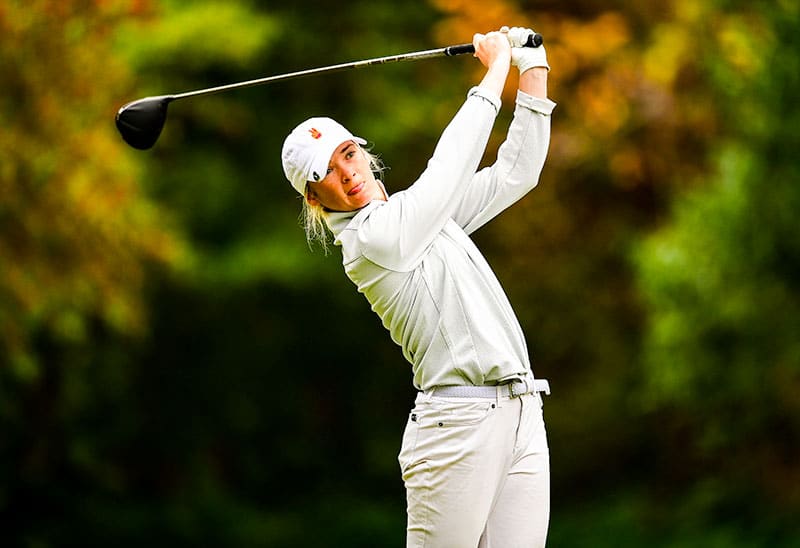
(338, 221)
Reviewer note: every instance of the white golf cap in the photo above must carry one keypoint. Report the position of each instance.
(308, 149)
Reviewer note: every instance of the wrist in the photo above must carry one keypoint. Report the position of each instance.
(495, 78)
(534, 82)
(536, 72)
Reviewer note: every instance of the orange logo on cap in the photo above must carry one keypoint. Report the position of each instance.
(315, 133)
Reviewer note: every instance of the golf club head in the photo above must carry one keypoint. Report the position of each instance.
(140, 122)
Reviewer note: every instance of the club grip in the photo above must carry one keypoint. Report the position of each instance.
(534, 41)
(459, 49)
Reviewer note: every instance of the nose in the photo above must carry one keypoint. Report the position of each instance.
(347, 173)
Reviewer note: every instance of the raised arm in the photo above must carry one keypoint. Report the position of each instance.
(521, 157)
(397, 233)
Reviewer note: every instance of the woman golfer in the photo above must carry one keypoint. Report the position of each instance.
(474, 455)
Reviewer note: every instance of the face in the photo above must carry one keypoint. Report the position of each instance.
(349, 183)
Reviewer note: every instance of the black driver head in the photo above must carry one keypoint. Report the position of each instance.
(140, 122)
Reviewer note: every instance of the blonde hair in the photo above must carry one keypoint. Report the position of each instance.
(313, 218)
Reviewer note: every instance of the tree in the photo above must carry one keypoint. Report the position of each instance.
(79, 239)
(78, 232)
(720, 280)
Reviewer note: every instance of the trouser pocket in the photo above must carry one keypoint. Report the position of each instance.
(437, 425)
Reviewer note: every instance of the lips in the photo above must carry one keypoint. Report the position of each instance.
(356, 189)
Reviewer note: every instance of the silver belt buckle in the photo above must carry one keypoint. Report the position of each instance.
(515, 394)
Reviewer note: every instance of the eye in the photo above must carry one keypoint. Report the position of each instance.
(350, 154)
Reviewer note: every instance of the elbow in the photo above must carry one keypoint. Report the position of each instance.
(527, 180)
(529, 185)
(533, 177)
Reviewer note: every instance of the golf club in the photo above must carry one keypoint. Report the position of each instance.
(140, 122)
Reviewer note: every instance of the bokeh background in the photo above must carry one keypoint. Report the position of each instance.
(177, 368)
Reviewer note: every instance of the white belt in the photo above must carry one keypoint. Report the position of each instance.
(513, 389)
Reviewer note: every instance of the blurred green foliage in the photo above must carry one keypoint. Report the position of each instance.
(721, 282)
(177, 367)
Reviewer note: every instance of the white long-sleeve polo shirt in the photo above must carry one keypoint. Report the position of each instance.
(411, 256)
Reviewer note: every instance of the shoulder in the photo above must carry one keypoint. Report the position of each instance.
(377, 233)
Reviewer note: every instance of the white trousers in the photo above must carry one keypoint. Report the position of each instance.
(477, 472)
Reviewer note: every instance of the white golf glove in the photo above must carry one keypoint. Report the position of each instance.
(523, 57)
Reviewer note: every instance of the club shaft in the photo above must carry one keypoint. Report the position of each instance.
(414, 56)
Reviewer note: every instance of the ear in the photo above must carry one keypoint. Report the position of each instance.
(311, 196)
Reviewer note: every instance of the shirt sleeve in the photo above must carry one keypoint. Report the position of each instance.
(396, 234)
(516, 172)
